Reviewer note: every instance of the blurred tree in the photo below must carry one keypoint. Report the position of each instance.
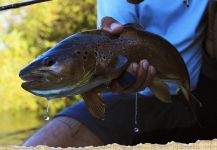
(29, 31)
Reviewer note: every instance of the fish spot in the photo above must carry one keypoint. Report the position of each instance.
(121, 40)
(96, 53)
(84, 57)
(103, 57)
(78, 52)
(85, 53)
(97, 46)
(111, 53)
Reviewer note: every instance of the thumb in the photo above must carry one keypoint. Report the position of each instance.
(111, 25)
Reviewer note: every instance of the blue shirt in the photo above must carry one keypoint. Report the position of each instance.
(170, 19)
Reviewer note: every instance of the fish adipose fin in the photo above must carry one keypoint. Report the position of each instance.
(160, 90)
(94, 104)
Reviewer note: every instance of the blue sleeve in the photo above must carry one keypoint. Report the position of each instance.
(120, 10)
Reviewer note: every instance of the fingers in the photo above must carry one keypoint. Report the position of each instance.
(115, 86)
(144, 73)
(150, 76)
(111, 25)
(141, 76)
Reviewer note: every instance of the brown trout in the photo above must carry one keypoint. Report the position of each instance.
(86, 62)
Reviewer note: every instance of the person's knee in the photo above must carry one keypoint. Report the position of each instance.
(64, 132)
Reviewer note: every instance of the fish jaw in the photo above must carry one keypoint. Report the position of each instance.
(65, 90)
(55, 93)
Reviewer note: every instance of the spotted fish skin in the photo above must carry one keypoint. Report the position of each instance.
(85, 62)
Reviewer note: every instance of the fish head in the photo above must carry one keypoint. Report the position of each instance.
(56, 73)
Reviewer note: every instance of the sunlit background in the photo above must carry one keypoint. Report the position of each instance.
(24, 34)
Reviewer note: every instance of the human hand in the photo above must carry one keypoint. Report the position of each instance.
(143, 72)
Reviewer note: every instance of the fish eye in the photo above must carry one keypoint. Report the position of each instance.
(48, 62)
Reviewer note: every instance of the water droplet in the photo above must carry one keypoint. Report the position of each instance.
(136, 130)
(47, 117)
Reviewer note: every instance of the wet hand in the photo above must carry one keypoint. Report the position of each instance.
(143, 72)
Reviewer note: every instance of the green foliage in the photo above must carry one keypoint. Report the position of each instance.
(30, 31)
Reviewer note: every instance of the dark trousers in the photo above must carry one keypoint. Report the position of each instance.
(206, 92)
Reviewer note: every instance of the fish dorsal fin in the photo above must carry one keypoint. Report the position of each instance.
(135, 26)
(135, 1)
(121, 62)
(160, 90)
(94, 104)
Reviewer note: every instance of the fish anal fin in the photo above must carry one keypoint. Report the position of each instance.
(95, 104)
(160, 90)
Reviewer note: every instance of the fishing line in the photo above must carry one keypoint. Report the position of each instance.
(17, 5)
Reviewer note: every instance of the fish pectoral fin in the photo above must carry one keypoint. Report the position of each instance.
(161, 90)
(135, 26)
(121, 62)
(95, 104)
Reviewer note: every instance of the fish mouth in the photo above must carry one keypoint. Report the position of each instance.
(32, 77)
(39, 80)
(41, 75)
(49, 90)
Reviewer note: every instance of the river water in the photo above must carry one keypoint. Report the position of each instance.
(16, 128)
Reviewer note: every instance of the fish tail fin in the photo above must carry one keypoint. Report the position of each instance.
(189, 97)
